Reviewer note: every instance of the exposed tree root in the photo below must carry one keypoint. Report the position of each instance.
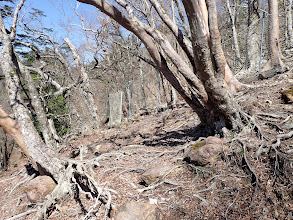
(21, 215)
(76, 180)
(247, 167)
(278, 142)
(250, 121)
(22, 182)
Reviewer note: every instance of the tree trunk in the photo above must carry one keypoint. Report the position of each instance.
(26, 135)
(205, 91)
(252, 38)
(289, 23)
(233, 84)
(39, 110)
(11, 127)
(232, 13)
(86, 88)
(211, 66)
(143, 97)
(273, 41)
(6, 142)
(174, 97)
(68, 174)
(6, 148)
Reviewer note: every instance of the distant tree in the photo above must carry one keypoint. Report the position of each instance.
(274, 41)
(289, 23)
(232, 10)
(253, 36)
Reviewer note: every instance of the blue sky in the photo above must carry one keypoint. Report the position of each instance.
(58, 11)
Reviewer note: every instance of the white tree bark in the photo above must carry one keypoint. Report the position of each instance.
(232, 13)
(289, 23)
(38, 107)
(274, 41)
(86, 88)
(43, 156)
(252, 39)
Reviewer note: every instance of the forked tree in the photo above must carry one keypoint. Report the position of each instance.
(202, 75)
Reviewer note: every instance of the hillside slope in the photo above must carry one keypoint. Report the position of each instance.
(251, 179)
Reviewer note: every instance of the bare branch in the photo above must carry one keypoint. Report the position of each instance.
(2, 27)
(15, 19)
(86, 85)
(182, 40)
(183, 17)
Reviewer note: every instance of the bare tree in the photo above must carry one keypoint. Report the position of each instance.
(54, 61)
(232, 14)
(252, 37)
(273, 41)
(205, 79)
(47, 133)
(86, 88)
(67, 173)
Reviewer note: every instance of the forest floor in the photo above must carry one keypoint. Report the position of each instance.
(251, 180)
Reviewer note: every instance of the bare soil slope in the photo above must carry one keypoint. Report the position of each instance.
(252, 179)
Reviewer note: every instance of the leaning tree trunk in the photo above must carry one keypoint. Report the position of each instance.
(69, 174)
(85, 87)
(211, 66)
(38, 107)
(26, 135)
(273, 41)
(36, 149)
(11, 127)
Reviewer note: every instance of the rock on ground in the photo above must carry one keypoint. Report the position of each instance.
(205, 151)
(134, 210)
(157, 172)
(287, 95)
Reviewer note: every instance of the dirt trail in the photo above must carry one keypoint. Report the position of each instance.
(238, 185)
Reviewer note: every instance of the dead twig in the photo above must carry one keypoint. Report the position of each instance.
(250, 168)
(227, 210)
(200, 198)
(21, 215)
(278, 143)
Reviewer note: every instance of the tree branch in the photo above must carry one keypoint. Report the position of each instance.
(184, 42)
(15, 19)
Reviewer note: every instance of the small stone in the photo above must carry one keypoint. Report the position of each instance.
(204, 152)
(134, 210)
(102, 149)
(38, 188)
(158, 172)
(287, 95)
